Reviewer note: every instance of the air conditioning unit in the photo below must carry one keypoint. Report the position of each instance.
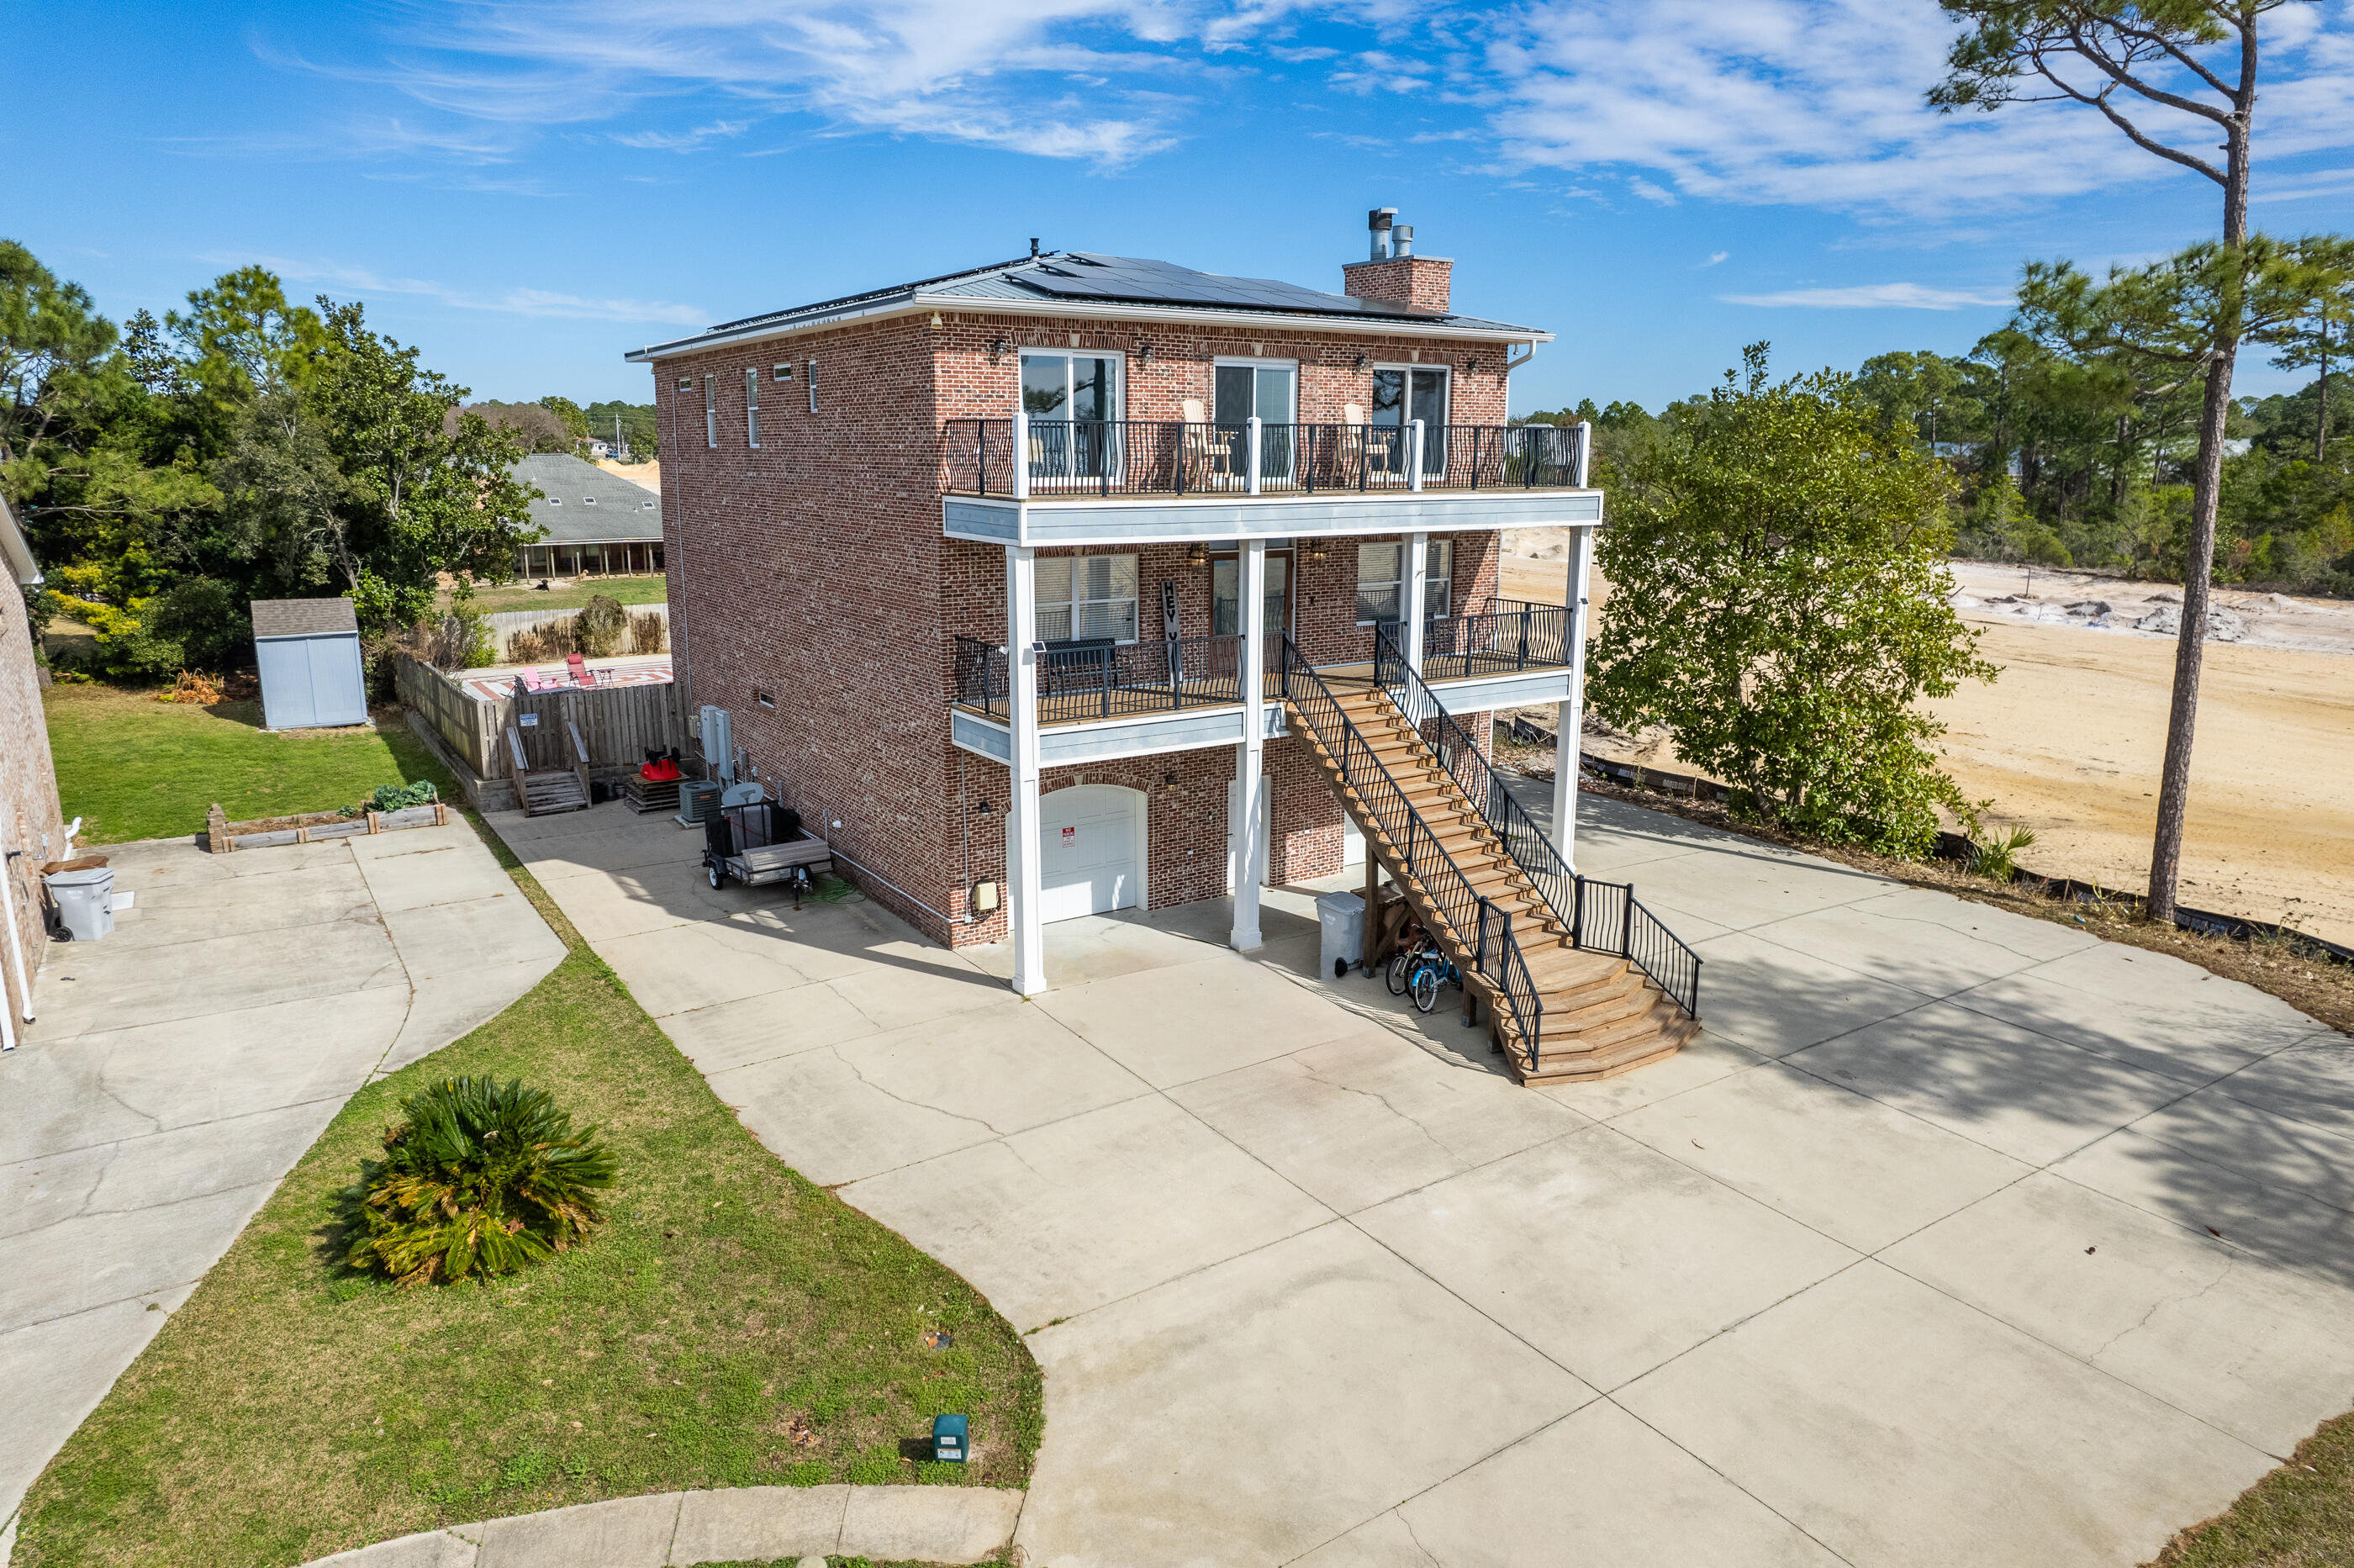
(698, 800)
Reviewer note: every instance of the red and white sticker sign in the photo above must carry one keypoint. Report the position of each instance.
(1070, 834)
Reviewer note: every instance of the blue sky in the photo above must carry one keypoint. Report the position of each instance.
(528, 190)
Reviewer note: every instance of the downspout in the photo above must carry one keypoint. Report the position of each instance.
(9, 1013)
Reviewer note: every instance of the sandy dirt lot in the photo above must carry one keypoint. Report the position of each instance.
(647, 474)
(2067, 741)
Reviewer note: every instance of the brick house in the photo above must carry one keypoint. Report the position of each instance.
(1161, 490)
(32, 828)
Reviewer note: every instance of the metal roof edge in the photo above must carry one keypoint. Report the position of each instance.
(1386, 326)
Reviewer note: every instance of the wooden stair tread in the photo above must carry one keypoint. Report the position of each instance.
(1598, 1015)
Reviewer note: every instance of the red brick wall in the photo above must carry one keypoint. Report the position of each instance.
(28, 790)
(813, 570)
(1421, 282)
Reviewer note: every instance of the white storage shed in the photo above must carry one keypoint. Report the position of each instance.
(308, 652)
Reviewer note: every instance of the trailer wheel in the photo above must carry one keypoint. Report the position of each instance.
(719, 877)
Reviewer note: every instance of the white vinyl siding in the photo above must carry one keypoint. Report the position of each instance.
(1081, 598)
(752, 406)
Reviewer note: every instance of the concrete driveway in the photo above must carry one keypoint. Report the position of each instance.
(1960, 1237)
(183, 1065)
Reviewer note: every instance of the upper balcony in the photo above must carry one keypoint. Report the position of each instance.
(1101, 698)
(1048, 482)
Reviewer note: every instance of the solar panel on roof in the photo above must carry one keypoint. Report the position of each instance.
(1159, 282)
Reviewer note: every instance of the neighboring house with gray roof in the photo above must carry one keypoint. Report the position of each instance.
(592, 522)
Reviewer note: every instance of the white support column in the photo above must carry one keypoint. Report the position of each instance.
(1250, 758)
(1571, 718)
(1021, 455)
(1414, 456)
(1251, 433)
(1413, 595)
(1021, 849)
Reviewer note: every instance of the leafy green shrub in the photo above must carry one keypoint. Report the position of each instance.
(399, 797)
(207, 617)
(479, 1177)
(603, 628)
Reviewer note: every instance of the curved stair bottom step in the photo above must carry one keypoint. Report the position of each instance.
(1559, 1066)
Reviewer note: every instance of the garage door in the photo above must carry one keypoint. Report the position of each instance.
(1091, 853)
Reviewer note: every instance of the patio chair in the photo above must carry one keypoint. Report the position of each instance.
(1209, 449)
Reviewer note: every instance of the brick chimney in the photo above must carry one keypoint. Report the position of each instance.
(1395, 275)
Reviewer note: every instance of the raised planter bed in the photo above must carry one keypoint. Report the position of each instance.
(222, 836)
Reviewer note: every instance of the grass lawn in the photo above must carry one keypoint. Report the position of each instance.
(651, 589)
(132, 768)
(2300, 1516)
(730, 1325)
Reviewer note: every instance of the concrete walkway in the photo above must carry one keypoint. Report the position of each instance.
(1961, 1237)
(183, 1065)
(742, 1525)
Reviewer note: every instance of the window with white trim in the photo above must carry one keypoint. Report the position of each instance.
(752, 405)
(1380, 582)
(780, 373)
(711, 412)
(1081, 598)
(812, 385)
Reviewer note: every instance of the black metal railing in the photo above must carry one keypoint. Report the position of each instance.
(1480, 934)
(1532, 636)
(1547, 871)
(1611, 919)
(1104, 679)
(1167, 457)
(1602, 917)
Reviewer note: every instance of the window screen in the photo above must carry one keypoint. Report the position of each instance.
(1081, 598)
(752, 405)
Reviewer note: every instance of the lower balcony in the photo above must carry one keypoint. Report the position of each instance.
(1102, 699)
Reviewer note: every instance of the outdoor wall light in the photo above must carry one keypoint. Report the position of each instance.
(1168, 780)
(1360, 362)
(1197, 556)
(985, 808)
(1144, 352)
(996, 349)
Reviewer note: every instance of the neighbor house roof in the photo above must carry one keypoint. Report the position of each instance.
(1077, 283)
(580, 503)
(302, 617)
(14, 551)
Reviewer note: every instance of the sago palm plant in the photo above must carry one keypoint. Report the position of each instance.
(479, 1176)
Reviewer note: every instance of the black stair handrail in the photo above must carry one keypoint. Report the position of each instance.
(1600, 917)
(1484, 940)
(1548, 873)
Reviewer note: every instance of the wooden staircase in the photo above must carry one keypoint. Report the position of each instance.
(542, 791)
(1598, 1015)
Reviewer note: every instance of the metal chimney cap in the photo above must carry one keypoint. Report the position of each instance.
(1034, 247)
(1381, 217)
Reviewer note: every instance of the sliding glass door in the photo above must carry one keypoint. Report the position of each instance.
(1072, 401)
(1267, 391)
(1401, 396)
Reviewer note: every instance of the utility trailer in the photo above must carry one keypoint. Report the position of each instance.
(761, 843)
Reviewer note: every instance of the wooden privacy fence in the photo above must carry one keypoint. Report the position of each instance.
(618, 725)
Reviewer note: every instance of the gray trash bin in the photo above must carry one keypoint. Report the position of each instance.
(85, 901)
(1341, 919)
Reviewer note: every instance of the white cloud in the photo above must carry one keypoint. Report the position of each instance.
(513, 301)
(1715, 258)
(1014, 76)
(1821, 103)
(692, 141)
(1875, 296)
